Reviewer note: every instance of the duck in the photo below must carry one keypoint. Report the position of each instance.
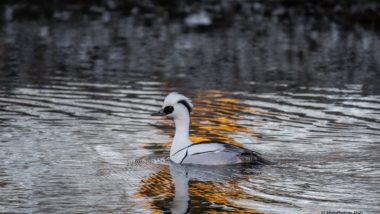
(183, 151)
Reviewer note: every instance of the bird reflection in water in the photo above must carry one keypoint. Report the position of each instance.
(179, 188)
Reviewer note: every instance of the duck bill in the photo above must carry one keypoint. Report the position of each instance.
(159, 113)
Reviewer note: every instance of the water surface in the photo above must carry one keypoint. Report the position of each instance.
(77, 135)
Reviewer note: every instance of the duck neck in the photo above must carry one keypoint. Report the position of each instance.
(181, 137)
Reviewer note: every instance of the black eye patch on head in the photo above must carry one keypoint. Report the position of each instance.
(186, 104)
(168, 109)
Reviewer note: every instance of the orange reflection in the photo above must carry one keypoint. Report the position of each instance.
(216, 115)
(159, 189)
(220, 194)
(158, 184)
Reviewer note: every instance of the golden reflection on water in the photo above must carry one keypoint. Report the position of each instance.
(159, 187)
(215, 116)
(158, 190)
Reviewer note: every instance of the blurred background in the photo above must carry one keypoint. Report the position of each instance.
(212, 44)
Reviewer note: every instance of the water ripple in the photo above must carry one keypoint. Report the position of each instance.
(81, 138)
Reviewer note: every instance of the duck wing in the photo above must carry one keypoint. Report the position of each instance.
(220, 153)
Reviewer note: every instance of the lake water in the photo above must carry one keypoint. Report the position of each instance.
(76, 135)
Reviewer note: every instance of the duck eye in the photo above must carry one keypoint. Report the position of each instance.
(168, 109)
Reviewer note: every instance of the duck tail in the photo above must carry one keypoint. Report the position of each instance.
(251, 157)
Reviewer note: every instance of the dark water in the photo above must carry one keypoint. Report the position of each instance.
(76, 135)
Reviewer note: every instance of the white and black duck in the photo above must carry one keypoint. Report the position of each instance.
(183, 151)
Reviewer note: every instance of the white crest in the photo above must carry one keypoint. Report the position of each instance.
(174, 97)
